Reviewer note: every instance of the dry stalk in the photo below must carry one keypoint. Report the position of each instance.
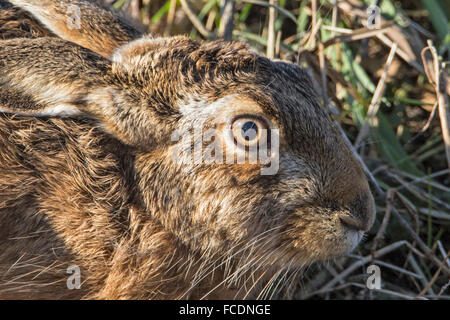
(435, 276)
(196, 21)
(438, 77)
(226, 21)
(361, 262)
(170, 17)
(271, 30)
(376, 98)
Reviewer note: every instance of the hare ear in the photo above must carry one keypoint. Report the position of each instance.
(81, 22)
(50, 76)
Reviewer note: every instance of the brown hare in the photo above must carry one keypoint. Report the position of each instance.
(93, 181)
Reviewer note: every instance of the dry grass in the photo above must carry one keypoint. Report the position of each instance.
(387, 88)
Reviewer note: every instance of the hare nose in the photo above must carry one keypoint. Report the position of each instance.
(355, 224)
(361, 214)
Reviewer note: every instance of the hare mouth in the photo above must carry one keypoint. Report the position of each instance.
(350, 238)
(340, 245)
(353, 237)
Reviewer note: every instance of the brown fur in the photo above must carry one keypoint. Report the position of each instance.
(16, 23)
(102, 33)
(100, 189)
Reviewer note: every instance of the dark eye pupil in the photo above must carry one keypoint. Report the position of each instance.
(249, 130)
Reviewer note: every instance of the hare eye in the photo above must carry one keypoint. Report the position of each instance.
(247, 131)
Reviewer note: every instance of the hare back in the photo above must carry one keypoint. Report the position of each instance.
(16, 23)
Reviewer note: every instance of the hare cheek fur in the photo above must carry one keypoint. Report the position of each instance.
(105, 186)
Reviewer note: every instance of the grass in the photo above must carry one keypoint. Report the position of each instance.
(394, 112)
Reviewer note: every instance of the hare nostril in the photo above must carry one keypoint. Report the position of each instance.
(353, 223)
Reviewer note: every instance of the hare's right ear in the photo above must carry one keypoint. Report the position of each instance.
(53, 77)
(81, 22)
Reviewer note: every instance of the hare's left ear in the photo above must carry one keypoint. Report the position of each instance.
(53, 77)
(81, 22)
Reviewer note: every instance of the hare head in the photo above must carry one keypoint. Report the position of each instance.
(315, 203)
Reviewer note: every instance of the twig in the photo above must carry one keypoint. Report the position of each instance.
(398, 294)
(170, 16)
(271, 30)
(310, 39)
(196, 21)
(435, 276)
(424, 179)
(279, 9)
(398, 269)
(334, 21)
(334, 16)
(334, 29)
(323, 74)
(402, 54)
(354, 35)
(384, 223)
(362, 262)
(418, 192)
(278, 44)
(413, 263)
(313, 21)
(210, 20)
(385, 291)
(444, 287)
(420, 29)
(419, 241)
(376, 98)
(226, 21)
(426, 126)
(134, 10)
(333, 272)
(440, 215)
(438, 77)
(441, 249)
